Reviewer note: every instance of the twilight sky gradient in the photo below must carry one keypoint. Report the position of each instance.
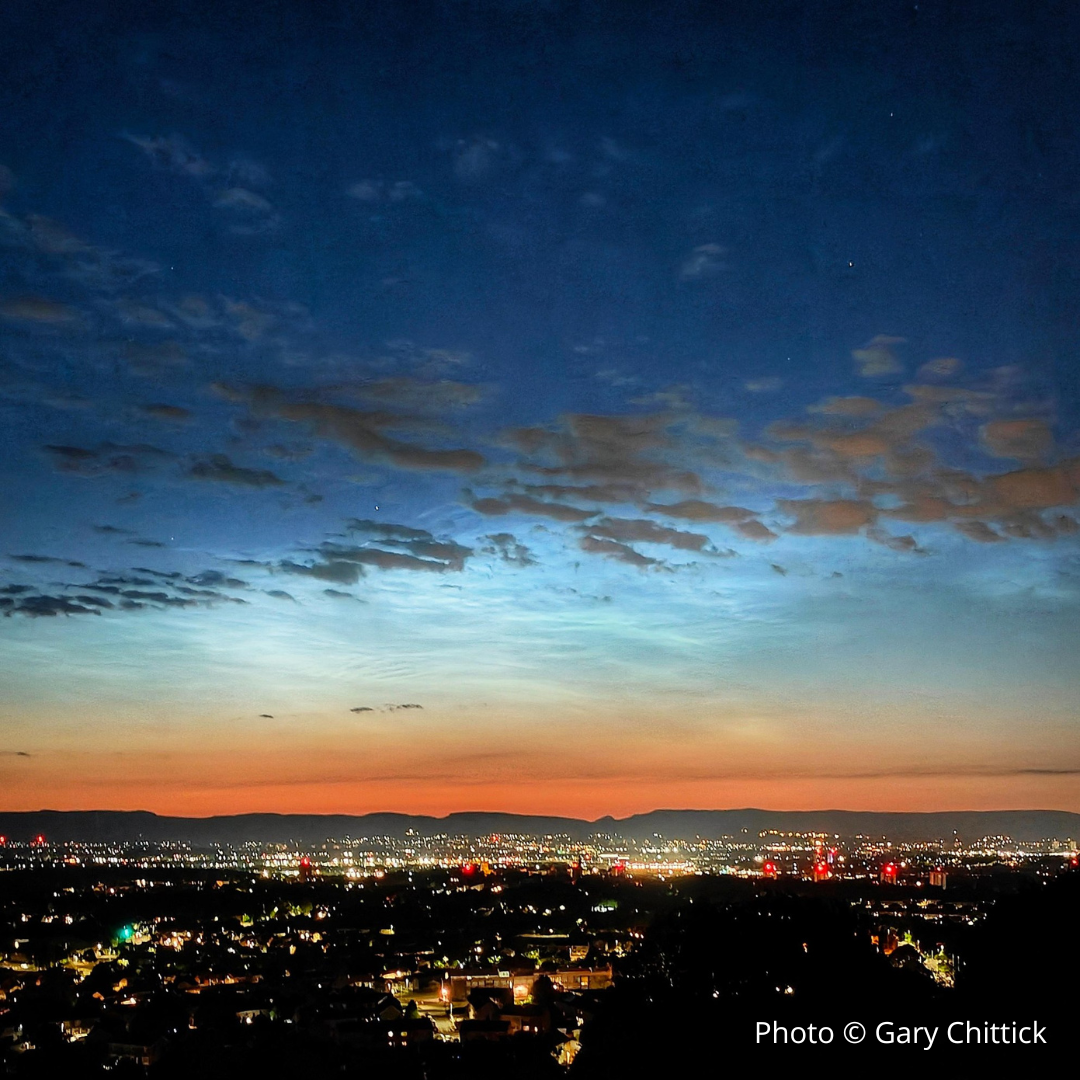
(560, 407)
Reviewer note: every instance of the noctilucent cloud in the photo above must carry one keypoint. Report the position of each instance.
(556, 407)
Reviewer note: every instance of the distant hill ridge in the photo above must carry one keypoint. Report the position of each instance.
(121, 826)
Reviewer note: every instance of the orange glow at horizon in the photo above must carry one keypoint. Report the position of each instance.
(616, 766)
(587, 799)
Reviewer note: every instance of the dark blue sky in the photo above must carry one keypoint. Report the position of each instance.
(589, 312)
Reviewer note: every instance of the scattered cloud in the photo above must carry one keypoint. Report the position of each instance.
(173, 153)
(476, 158)
(1035, 488)
(120, 593)
(217, 579)
(509, 549)
(670, 397)
(154, 360)
(52, 238)
(343, 573)
(614, 550)
(1026, 439)
(43, 606)
(526, 504)
(453, 560)
(107, 458)
(362, 431)
(767, 384)
(241, 199)
(132, 313)
(249, 212)
(944, 367)
(220, 469)
(754, 530)
(601, 493)
(979, 531)
(47, 559)
(1027, 525)
(629, 530)
(906, 543)
(387, 530)
(174, 414)
(848, 406)
(420, 395)
(697, 510)
(382, 191)
(38, 309)
(878, 356)
(705, 261)
(626, 451)
(417, 546)
(823, 517)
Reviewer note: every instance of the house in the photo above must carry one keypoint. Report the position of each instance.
(483, 1030)
(526, 1019)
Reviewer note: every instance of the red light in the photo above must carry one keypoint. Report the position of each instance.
(305, 861)
(39, 840)
(468, 868)
(769, 868)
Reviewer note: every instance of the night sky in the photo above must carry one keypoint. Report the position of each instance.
(546, 407)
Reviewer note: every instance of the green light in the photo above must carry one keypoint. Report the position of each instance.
(126, 933)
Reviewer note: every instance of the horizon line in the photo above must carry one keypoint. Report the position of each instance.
(563, 817)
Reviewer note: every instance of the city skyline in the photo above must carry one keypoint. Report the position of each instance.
(599, 411)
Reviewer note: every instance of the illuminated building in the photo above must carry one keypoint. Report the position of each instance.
(462, 981)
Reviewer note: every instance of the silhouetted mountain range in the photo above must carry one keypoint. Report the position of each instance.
(121, 826)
